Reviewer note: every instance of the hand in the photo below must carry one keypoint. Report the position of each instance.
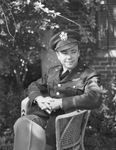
(56, 104)
(44, 103)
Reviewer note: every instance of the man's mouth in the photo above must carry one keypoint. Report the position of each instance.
(69, 62)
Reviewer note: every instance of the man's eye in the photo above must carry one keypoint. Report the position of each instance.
(64, 53)
(74, 52)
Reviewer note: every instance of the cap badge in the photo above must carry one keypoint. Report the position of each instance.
(63, 36)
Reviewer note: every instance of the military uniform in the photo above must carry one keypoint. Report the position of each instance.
(80, 89)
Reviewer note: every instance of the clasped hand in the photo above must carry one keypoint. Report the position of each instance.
(48, 104)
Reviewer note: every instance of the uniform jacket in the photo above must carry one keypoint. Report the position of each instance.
(79, 90)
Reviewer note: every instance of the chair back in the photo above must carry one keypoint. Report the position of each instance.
(70, 129)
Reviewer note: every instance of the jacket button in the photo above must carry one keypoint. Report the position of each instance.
(59, 85)
(57, 93)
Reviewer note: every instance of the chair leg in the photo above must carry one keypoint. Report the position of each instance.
(28, 135)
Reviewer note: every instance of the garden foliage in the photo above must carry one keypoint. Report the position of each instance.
(23, 24)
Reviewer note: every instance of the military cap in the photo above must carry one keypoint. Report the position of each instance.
(65, 38)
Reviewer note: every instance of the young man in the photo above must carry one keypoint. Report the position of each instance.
(67, 87)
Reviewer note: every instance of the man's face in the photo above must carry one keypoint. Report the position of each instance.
(69, 57)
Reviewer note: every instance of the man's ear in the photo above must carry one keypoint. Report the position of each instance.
(79, 52)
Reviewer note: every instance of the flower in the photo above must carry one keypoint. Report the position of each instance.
(63, 36)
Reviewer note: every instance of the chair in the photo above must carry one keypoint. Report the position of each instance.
(70, 128)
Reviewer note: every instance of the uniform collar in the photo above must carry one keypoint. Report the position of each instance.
(75, 72)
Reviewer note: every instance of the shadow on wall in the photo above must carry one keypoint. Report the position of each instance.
(49, 59)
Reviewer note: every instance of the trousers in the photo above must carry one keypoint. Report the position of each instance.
(30, 134)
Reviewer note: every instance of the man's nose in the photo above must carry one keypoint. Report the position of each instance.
(69, 56)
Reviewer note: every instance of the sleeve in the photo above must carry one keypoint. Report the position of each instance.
(90, 99)
(37, 88)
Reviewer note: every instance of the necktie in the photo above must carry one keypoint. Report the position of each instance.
(64, 75)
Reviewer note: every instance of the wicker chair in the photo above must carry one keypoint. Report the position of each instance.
(70, 128)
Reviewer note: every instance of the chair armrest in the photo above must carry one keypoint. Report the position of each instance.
(71, 114)
(24, 106)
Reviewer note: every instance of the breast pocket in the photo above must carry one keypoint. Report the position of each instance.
(77, 83)
(72, 88)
